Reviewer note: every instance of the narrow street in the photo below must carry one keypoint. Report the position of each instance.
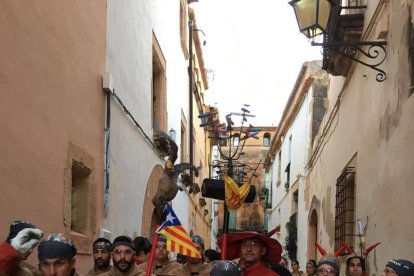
(277, 126)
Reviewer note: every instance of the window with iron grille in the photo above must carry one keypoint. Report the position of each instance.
(345, 208)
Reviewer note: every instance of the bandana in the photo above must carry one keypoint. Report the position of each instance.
(197, 239)
(312, 263)
(102, 244)
(402, 267)
(56, 247)
(331, 263)
(162, 238)
(123, 240)
(16, 227)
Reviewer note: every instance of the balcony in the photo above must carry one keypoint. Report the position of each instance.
(346, 25)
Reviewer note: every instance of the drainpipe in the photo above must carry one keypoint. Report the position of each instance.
(190, 88)
(106, 152)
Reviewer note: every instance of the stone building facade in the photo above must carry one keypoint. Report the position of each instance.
(359, 167)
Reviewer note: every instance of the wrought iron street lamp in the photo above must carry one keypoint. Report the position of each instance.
(312, 16)
(319, 17)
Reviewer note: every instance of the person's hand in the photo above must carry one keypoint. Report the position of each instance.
(26, 239)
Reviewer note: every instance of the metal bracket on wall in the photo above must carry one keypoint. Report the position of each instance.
(376, 53)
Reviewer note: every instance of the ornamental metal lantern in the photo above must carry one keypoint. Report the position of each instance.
(312, 16)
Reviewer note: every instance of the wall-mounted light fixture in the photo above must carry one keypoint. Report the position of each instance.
(319, 17)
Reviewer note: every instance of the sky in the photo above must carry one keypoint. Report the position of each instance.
(255, 51)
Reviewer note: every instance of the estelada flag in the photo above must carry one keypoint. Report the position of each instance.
(177, 238)
(235, 195)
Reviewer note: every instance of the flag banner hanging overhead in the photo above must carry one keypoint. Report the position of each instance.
(177, 238)
(235, 195)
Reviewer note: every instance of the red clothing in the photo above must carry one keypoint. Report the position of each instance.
(9, 258)
(261, 270)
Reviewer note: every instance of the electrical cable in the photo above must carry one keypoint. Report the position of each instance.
(126, 111)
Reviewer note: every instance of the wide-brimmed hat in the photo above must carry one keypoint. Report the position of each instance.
(234, 239)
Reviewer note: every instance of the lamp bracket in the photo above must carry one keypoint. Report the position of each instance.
(376, 53)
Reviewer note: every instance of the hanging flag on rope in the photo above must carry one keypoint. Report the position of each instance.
(235, 195)
(177, 238)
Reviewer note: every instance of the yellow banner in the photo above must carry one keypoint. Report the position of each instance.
(235, 195)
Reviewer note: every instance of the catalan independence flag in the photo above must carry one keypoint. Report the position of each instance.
(177, 238)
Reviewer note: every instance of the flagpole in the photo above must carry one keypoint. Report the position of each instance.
(226, 210)
(223, 252)
(151, 259)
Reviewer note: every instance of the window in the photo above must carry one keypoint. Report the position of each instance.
(292, 237)
(287, 171)
(236, 140)
(279, 169)
(268, 195)
(183, 27)
(183, 147)
(79, 210)
(295, 201)
(79, 196)
(266, 139)
(345, 208)
(232, 220)
(238, 176)
(159, 98)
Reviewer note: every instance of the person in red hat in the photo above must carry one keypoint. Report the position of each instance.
(254, 249)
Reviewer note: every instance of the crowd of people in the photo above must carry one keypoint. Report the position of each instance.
(248, 253)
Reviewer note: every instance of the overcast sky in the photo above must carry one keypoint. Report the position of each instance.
(256, 51)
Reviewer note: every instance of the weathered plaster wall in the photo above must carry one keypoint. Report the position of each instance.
(373, 122)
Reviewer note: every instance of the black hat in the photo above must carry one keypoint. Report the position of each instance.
(212, 254)
(225, 268)
(56, 247)
(402, 267)
(142, 244)
(17, 226)
(123, 240)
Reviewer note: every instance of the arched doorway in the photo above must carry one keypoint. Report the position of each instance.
(312, 234)
(150, 215)
(313, 227)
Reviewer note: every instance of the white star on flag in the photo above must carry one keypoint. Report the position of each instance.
(170, 218)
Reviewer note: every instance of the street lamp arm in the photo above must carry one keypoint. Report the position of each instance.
(376, 53)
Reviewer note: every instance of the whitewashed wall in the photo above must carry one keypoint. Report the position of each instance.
(130, 27)
(282, 201)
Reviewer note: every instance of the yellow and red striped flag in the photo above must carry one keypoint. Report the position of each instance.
(177, 238)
